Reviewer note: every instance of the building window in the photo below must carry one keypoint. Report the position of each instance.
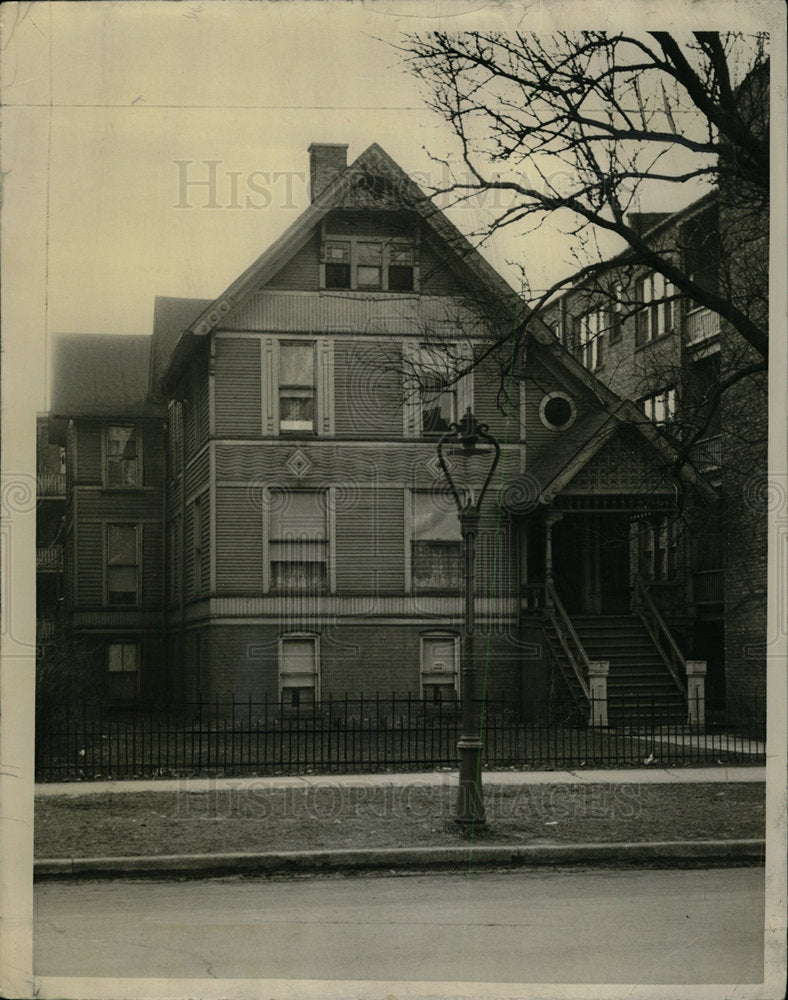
(337, 264)
(122, 457)
(123, 667)
(654, 296)
(298, 671)
(122, 564)
(123, 657)
(591, 326)
(298, 542)
(401, 270)
(661, 407)
(557, 411)
(297, 386)
(369, 265)
(657, 549)
(440, 667)
(438, 405)
(436, 544)
(437, 369)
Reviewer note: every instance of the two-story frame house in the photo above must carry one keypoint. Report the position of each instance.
(256, 507)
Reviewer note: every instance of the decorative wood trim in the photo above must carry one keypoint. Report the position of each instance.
(407, 528)
(266, 519)
(212, 389)
(325, 388)
(332, 539)
(421, 608)
(269, 357)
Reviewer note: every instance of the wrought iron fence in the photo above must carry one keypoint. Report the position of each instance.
(364, 735)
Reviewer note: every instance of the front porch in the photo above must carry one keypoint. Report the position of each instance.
(605, 573)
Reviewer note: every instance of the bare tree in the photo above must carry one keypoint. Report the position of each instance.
(577, 128)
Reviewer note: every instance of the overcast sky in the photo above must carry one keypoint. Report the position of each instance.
(114, 110)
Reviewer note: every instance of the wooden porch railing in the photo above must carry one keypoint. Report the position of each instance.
(570, 642)
(667, 648)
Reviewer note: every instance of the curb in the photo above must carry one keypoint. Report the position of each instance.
(673, 853)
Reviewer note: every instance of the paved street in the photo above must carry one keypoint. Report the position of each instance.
(517, 926)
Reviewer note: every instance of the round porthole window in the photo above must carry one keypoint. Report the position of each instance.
(557, 411)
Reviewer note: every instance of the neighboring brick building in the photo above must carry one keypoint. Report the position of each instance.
(254, 502)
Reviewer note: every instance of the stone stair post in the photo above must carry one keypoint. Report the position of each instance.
(696, 693)
(597, 683)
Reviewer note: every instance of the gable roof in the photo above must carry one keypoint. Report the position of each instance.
(373, 163)
(101, 375)
(171, 316)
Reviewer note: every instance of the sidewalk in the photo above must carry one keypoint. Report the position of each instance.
(476, 853)
(644, 775)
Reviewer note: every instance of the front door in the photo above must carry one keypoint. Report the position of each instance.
(614, 568)
(591, 563)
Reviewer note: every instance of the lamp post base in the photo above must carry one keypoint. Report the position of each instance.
(470, 801)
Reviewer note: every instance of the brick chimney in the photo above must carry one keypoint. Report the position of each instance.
(326, 160)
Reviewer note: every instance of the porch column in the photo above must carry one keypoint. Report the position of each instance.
(551, 518)
(597, 682)
(696, 693)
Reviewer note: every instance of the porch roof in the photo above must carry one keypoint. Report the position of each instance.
(601, 454)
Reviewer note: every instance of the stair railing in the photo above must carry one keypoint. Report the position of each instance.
(650, 615)
(570, 642)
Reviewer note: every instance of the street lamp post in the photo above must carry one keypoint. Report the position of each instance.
(467, 433)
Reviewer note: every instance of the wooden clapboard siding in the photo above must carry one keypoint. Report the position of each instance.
(188, 552)
(90, 559)
(238, 387)
(370, 540)
(435, 277)
(152, 435)
(205, 411)
(151, 569)
(367, 390)
(197, 472)
(501, 415)
(119, 505)
(239, 539)
(536, 386)
(205, 576)
(174, 440)
(382, 313)
(89, 458)
(302, 271)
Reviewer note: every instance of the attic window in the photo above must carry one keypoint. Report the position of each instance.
(367, 265)
(337, 263)
(557, 411)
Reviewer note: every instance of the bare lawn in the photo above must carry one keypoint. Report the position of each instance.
(311, 818)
